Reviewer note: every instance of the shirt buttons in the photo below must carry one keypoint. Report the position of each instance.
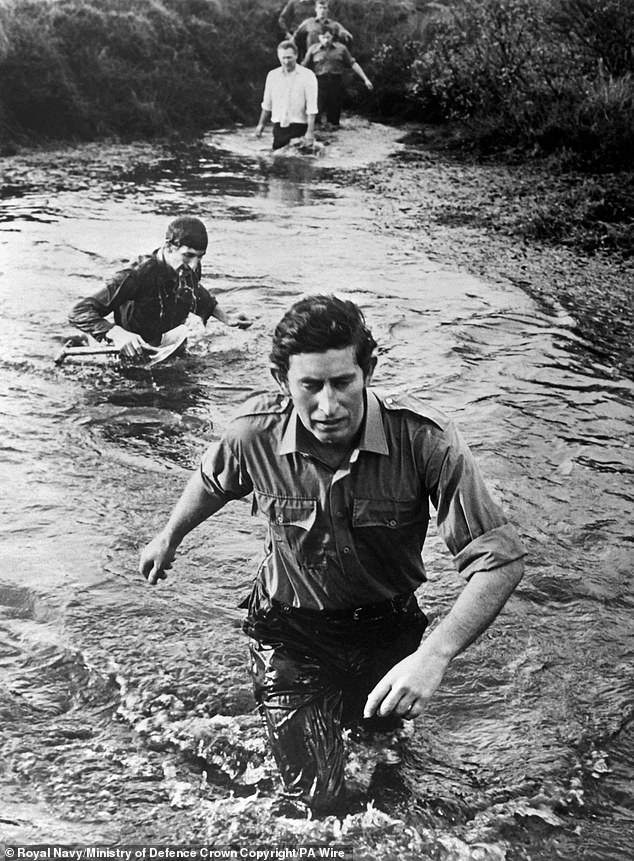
(346, 550)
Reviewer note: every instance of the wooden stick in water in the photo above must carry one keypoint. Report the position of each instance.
(84, 351)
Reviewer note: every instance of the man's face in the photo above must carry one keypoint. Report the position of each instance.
(288, 59)
(325, 39)
(183, 255)
(327, 391)
(321, 11)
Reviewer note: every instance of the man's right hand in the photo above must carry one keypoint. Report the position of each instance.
(130, 344)
(258, 130)
(156, 559)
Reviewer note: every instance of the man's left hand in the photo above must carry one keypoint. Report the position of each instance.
(407, 687)
(240, 321)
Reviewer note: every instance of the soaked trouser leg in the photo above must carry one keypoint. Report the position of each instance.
(311, 679)
(283, 135)
(303, 716)
(331, 96)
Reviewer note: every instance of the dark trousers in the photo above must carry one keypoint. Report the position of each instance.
(284, 135)
(330, 97)
(311, 677)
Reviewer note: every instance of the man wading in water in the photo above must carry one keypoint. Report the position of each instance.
(151, 299)
(344, 479)
(290, 100)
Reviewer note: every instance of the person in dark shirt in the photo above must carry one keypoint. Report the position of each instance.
(329, 60)
(293, 13)
(344, 479)
(151, 298)
(307, 33)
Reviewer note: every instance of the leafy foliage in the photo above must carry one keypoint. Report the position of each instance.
(86, 69)
(546, 74)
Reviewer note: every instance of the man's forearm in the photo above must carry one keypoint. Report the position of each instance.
(88, 316)
(475, 608)
(264, 118)
(220, 315)
(194, 506)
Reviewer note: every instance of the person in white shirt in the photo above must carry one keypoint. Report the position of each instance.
(290, 100)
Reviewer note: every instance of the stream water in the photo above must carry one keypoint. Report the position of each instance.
(126, 714)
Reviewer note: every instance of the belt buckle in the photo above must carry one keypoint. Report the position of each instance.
(356, 614)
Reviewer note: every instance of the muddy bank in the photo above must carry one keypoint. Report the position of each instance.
(483, 217)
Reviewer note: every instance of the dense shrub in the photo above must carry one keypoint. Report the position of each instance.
(547, 74)
(146, 67)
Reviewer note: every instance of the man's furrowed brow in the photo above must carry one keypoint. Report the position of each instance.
(340, 378)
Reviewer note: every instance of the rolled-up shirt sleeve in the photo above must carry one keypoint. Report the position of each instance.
(223, 473)
(89, 314)
(267, 98)
(311, 92)
(472, 525)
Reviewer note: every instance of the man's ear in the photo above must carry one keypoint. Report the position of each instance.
(368, 377)
(280, 380)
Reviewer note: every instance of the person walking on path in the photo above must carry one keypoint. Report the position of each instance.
(329, 60)
(344, 479)
(290, 100)
(307, 33)
(292, 15)
(151, 299)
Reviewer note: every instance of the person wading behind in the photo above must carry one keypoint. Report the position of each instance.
(293, 13)
(151, 299)
(344, 479)
(290, 100)
(329, 60)
(307, 33)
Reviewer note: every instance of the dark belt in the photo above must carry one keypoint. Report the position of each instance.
(379, 610)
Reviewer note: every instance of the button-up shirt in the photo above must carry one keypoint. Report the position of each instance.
(294, 12)
(290, 96)
(148, 297)
(331, 60)
(353, 535)
(308, 32)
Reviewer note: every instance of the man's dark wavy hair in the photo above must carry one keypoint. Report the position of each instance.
(319, 323)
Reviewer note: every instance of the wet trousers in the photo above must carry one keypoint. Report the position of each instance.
(312, 674)
(330, 97)
(283, 135)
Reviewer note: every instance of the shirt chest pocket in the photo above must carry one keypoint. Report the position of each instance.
(290, 519)
(387, 513)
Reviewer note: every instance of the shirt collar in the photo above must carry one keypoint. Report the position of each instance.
(372, 437)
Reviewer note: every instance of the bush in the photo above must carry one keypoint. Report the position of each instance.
(98, 67)
(543, 75)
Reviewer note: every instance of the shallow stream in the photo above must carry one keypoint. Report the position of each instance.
(125, 712)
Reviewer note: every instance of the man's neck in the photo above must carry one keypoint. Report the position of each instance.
(333, 455)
